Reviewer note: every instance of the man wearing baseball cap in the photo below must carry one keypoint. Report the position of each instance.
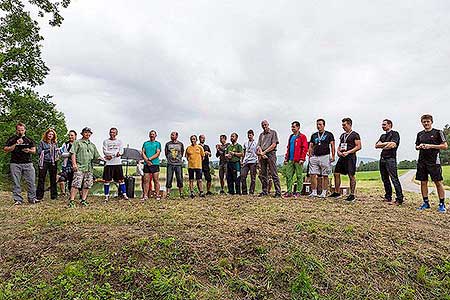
(83, 153)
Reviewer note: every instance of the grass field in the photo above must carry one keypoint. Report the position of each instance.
(225, 248)
(446, 175)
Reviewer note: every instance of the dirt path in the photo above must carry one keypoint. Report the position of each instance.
(408, 184)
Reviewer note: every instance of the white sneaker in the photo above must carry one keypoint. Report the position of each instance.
(313, 194)
(323, 194)
(125, 197)
(106, 198)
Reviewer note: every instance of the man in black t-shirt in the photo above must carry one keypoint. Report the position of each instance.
(349, 144)
(21, 148)
(205, 164)
(429, 142)
(321, 155)
(389, 142)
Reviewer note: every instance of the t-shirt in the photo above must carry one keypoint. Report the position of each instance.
(348, 141)
(390, 136)
(112, 147)
(433, 137)
(150, 148)
(221, 153)
(250, 152)
(85, 153)
(195, 156)
(205, 162)
(234, 148)
(321, 143)
(174, 153)
(267, 139)
(292, 146)
(17, 155)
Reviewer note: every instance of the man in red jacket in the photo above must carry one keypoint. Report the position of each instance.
(297, 148)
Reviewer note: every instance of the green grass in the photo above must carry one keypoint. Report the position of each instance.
(446, 175)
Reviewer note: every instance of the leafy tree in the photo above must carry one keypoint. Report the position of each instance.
(22, 69)
(407, 164)
(445, 155)
(369, 166)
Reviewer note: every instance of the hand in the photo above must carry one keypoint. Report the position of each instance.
(264, 156)
(285, 162)
(118, 154)
(344, 154)
(75, 168)
(19, 141)
(26, 150)
(149, 163)
(301, 162)
(108, 157)
(217, 146)
(426, 146)
(228, 155)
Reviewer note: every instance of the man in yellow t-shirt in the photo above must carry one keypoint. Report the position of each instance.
(194, 155)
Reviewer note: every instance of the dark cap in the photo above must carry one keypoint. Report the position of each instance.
(86, 129)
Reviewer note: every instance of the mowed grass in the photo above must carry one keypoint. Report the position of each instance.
(225, 247)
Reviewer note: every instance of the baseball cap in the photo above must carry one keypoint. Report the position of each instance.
(86, 129)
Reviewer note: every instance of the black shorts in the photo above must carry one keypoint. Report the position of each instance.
(207, 173)
(151, 169)
(196, 172)
(346, 165)
(424, 169)
(114, 172)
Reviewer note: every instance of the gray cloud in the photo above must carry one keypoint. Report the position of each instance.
(213, 68)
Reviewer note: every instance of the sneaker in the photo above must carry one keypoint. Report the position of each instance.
(296, 195)
(125, 197)
(262, 194)
(313, 194)
(323, 194)
(441, 208)
(425, 205)
(208, 193)
(18, 203)
(350, 198)
(192, 196)
(244, 193)
(144, 198)
(84, 203)
(222, 192)
(335, 195)
(202, 195)
(71, 204)
(158, 198)
(287, 195)
(106, 199)
(277, 195)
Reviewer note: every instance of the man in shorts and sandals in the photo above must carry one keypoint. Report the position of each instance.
(174, 151)
(151, 150)
(297, 148)
(83, 154)
(349, 144)
(321, 155)
(113, 151)
(429, 143)
(220, 153)
(206, 170)
(194, 156)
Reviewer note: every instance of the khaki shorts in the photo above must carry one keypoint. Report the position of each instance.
(83, 180)
(320, 165)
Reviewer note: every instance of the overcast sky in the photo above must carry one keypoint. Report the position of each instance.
(215, 67)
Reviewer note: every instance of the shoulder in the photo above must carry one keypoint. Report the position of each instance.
(356, 135)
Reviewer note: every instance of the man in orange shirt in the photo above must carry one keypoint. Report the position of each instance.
(194, 155)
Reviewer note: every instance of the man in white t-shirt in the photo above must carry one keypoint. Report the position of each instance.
(249, 163)
(113, 150)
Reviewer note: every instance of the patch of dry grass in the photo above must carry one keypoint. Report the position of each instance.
(228, 248)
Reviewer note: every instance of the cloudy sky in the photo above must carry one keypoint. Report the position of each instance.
(215, 67)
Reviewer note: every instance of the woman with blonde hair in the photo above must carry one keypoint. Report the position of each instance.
(48, 155)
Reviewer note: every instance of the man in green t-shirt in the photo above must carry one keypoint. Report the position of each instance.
(233, 154)
(84, 153)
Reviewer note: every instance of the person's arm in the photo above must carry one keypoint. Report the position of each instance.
(121, 150)
(304, 149)
(40, 149)
(240, 152)
(108, 155)
(73, 152)
(149, 163)
(182, 149)
(333, 150)
(97, 154)
(443, 146)
(157, 153)
(357, 147)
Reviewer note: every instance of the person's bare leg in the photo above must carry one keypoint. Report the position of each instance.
(325, 183)
(73, 193)
(191, 186)
(440, 189)
(200, 185)
(352, 184)
(208, 186)
(314, 182)
(156, 183)
(84, 194)
(424, 188)
(146, 186)
(337, 182)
